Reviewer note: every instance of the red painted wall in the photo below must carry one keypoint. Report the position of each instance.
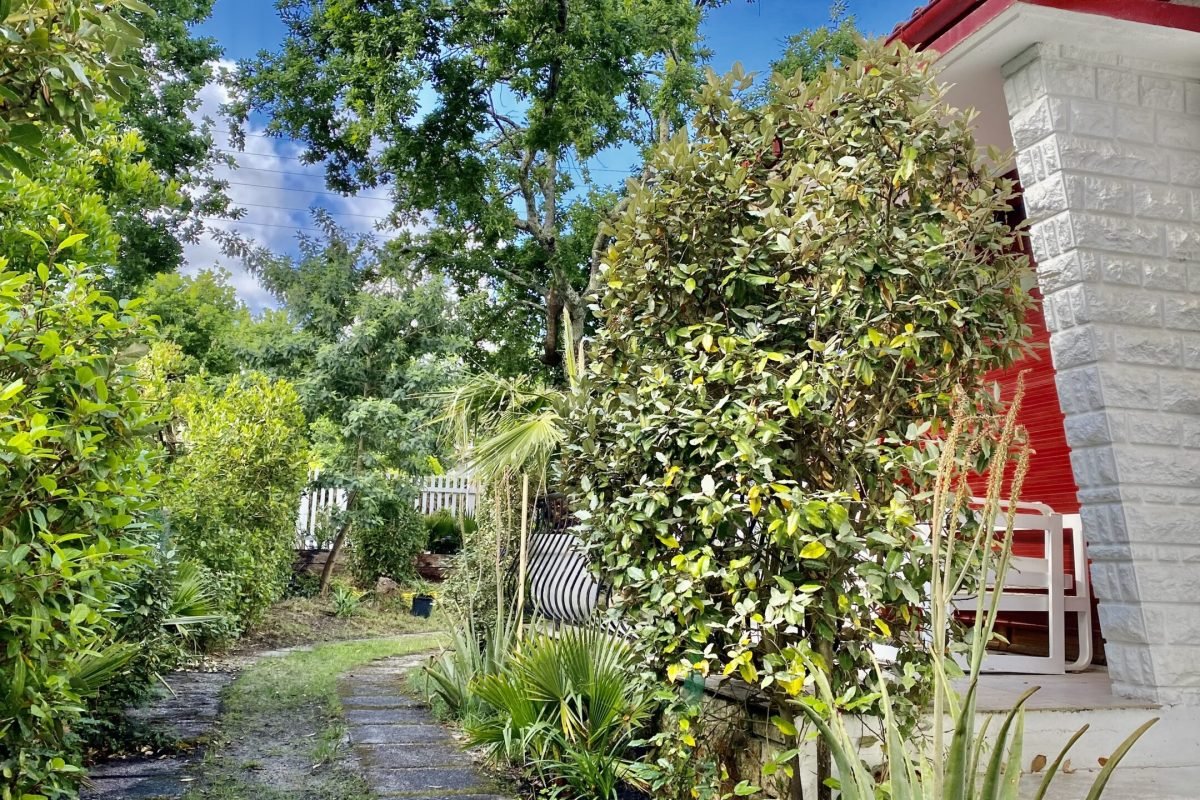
(1050, 479)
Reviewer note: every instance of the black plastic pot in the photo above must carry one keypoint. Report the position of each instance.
(422, 605)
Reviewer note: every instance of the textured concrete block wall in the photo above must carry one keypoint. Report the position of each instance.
(1108, 150)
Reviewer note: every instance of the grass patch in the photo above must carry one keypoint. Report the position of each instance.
(281, 728)
(310, 620)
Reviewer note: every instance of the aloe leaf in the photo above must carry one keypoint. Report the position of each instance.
(956, 762)
(1012, 768)
(977, 750)
(1052, 770)
(991, 778)
(849, 767)
(1115, 758)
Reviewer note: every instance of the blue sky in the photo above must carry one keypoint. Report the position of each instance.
(277, 191)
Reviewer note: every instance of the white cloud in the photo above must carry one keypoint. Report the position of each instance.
(277, 192)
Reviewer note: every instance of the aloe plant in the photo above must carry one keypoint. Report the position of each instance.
(928, 769)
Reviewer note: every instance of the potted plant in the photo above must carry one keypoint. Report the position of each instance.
(422, 603)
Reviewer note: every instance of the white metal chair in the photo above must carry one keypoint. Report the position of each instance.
(1040, 585)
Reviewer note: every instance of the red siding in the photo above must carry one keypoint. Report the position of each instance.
(1050, 479)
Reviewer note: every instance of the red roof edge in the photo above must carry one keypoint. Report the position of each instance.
(948, 19)
(929, 22)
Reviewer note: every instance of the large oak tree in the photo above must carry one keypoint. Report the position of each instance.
(483, 117)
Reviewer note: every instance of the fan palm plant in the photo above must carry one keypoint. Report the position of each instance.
(569, 706)
(512, 424)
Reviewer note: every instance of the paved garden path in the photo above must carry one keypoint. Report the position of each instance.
(405, 753)
(188, 715)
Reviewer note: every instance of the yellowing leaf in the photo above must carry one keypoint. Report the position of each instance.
(813, 550)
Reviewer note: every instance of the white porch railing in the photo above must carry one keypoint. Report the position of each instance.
(456, 493)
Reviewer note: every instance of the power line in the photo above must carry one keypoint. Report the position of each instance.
(263, 224)
(300, 159)
(328, 211)
(310, 191)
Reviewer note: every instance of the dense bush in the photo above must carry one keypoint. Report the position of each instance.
(241, 461)
(164, 610)
(388, 535)
(791, 299)
(76, 472)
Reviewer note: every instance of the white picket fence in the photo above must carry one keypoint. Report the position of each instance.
(456, 493)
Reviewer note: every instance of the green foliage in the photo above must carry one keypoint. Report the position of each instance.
(388, 544)
(241, 461)
(201, 314)
(160, 612)
(77, 462)
(569, 707)
(445, 535)
(172, 69)
(791, 301)
(85, 183)
(346, 600)
(809, 53)
(475, 653)
(62, 59)
(385, 337)
(472, 112)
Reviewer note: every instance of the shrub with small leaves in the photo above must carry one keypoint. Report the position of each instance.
(390, 534)
(241, 462)
(791, 299)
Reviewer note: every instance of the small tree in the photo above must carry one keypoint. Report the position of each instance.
(792, 298)
(240, 465)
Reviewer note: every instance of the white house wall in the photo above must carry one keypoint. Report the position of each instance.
(1108, 150)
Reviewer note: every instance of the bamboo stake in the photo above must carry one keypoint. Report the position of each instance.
(524, 553)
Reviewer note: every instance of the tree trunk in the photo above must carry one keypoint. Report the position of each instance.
(552, 352)
(796, 788)
(327, 570)
(824, 765)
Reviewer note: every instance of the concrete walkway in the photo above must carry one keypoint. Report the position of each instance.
(187, 715)
(405, 753)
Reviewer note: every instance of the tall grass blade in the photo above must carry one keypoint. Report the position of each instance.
(1052, 770)
(1115, 758)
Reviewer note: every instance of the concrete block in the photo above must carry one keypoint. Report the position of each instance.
(1177, 130)
(1191, 95)
(1181, 313)
(1184, 168)
(1180, 392)
(1147, 346)
(1119, 269)
(1117, 86)
(1148, 427)
(1164, 275)
(1118, 233)
(1120, 304)
(1118, 159)
(1161, 93)
(1088, 430)
(1091, 118)
(1070, 79)
(1079, 390)
(1074, 347)
(1183, 242)
(1059, 273)
(1162, 202)
(1106, 194)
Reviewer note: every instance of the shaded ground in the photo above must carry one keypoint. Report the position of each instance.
(307, 620)
(405, 753)
(279, 734)
(187, 715)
